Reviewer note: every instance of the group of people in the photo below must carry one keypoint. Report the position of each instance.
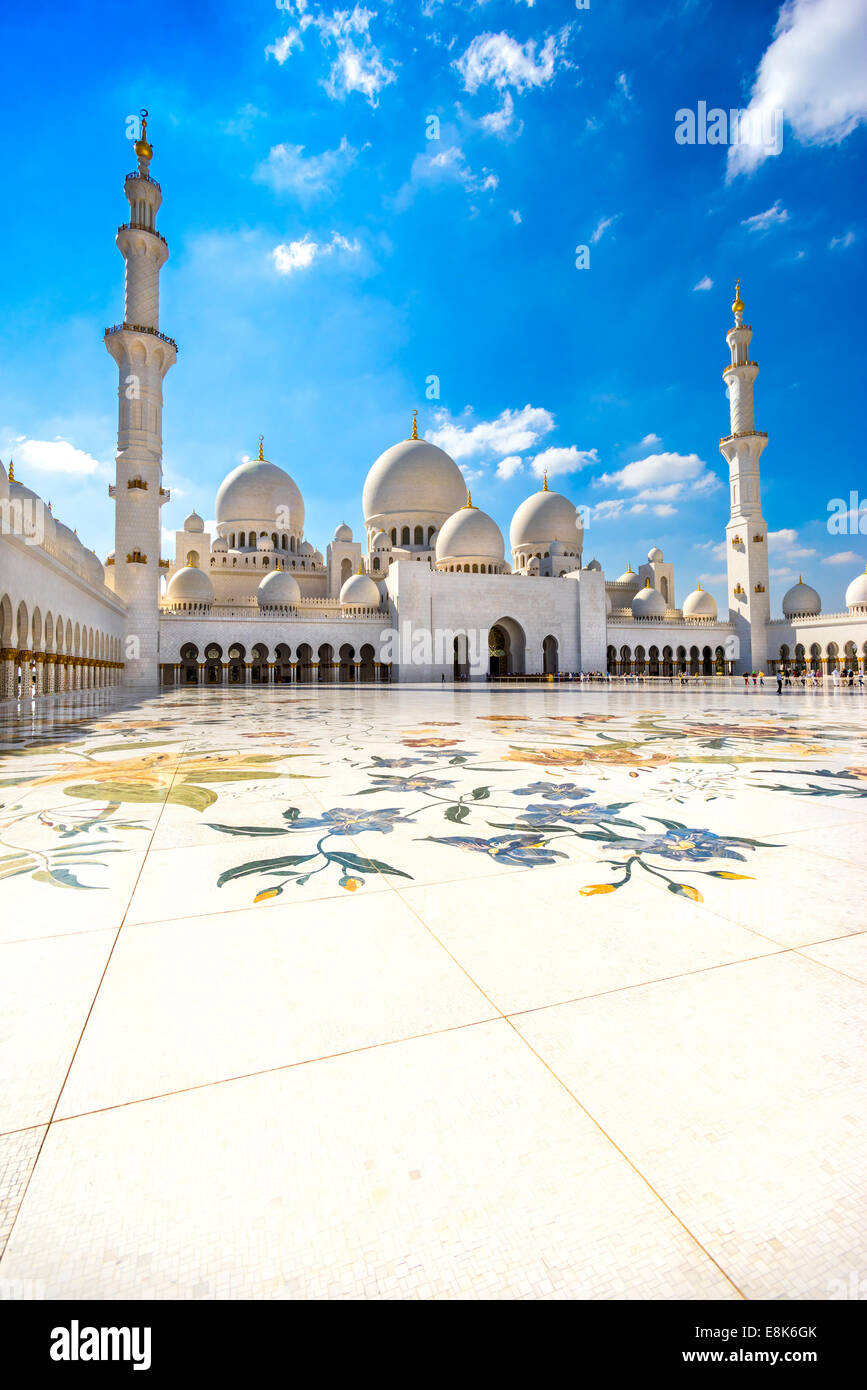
(804, 678)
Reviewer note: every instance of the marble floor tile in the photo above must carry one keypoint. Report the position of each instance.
(189, 1002)
(746, 1114)
(452, 1166)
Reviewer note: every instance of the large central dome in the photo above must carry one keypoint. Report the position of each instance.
(260, 494)
(413, 476)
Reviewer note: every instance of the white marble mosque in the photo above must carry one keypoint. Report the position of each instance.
(425, 592)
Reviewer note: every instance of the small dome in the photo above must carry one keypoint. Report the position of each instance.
(305, 548)
(34, 518)
(655, 555)
(194, 522)
(413, 476)
(278, 589)
(856, 594)
(545, 517)
(628, 577)
(470, 535)
(381, 541)
(648, 603)
(190, 585)
(359, 591)
(699, 604)
(343, 532)
(264, 543)
(219, 546)
(317, 556)
(594, 565)
(801, 601)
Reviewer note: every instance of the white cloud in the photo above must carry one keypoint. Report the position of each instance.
(300, 255)
(663, 477)
(602, 227)
(785, 543)
(717, 549)
(815, 71)
(502, 122)
(501, 61)
(288, 170)
(447, 166)
(53, 456)
(650, 440)
(846, 240)
(705, 283)
(243, 123)
(508, 467)
(623, 85)
(358, 65)
(563, 460)
(511, 432)
(516, 217)
(763, 221)
(843, 557)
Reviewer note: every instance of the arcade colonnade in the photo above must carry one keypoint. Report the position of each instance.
(211, 663)
(821, 657)
(47, 653)
(694, 660)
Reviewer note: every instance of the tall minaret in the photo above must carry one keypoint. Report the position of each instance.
(143, 356)
(746, 532)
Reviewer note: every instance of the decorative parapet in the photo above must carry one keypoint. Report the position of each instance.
(145, 178)
(136, 558)
(743, 434)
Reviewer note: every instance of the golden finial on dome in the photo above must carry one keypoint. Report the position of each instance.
(698, 586)
(414, 434)
(143, 150)
(545, 481)
(261, 448)
(738, 304)
(12, 470)
(469, 502)
(49, 504)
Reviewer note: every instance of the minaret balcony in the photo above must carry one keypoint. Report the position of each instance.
(759, 537)
(165, 494)
(137, 482)
(759, 589)
(141, 227)
(733, 366)
(737, 540)
(136, 558)
(140, 328)
(112, 491)
(145, 178)
(165, 564)
(744, 434)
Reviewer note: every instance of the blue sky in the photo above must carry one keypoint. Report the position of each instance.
(328, 258)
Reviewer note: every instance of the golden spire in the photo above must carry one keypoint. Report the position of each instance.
(12, 470)
(49, 504)
(469, 502)
(360, 565)
(143, 150)
(698, 586)
(414, 434)
(545, 481)
(738, 304)
(261, 448)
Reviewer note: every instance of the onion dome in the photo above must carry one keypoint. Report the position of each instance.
(219, 545)
(655, 555)
(856, 594)
(279, 589)
(628, 577)
(699, 604)
(188, 586)
(648, 603)
(594, 565)
(305, 548)
(255, 494)
(545, 517)
(264, 543)
(194, 523)
(470, 535)
(381, 541)
(359, 591)
(413, 477)
(343, 532)
(801, 601)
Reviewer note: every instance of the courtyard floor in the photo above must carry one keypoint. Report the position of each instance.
(427, 993)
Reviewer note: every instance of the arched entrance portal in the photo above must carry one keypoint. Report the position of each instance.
(550, 657)
(506, 648)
